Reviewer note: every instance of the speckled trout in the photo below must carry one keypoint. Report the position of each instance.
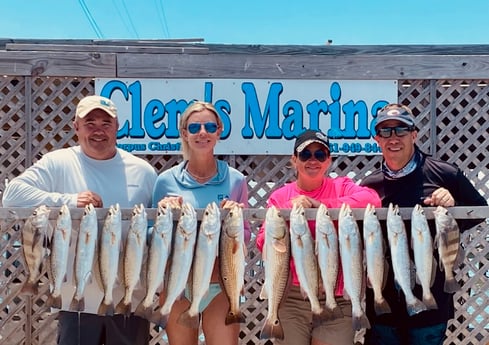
(328, 255)
(60, 247)
(232, 254)
(108, 257)
(84, 256)
(34, 242)
(401, 262)
(276, 259)
(351, 253)
(447, 241)
(158, 253)
(424, 262)
(306, 266)
(203, 263)
(180, 262)
(135, 247)
(374, 254)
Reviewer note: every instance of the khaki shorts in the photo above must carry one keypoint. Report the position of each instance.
(296, 318)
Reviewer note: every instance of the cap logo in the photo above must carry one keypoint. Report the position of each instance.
(104, 102)
(394, 112)
(321, 136)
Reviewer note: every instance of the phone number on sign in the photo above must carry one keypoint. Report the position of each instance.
(354, 148)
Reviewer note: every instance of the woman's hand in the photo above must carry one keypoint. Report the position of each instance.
(174, 202)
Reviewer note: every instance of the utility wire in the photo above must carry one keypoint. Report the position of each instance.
(135, 32)
(92, 21)
(162, 18)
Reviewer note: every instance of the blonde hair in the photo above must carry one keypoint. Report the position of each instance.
(195, 107)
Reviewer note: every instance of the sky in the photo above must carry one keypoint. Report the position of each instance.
(356, 22)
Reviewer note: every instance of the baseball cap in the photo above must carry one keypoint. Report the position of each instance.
(308, 137)
(89, 103)
(397, 112)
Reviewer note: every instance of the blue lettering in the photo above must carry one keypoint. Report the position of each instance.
(154, 112)
(351, 110)
(314, 109)
(335, 111)
(293, 124)
(253, 113)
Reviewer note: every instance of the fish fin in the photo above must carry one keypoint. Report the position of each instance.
(382, 307)
(272, 329)
(451, 285)
(123, 308)
(56, 301)
(189, 321)
(77, 304)
(143, 311)
(234, 317)
(360, 322)
(279, 246)
(29, 289)
(460, 256)
(429, 301)
(263, 292)
(106, 309)
(416, 307)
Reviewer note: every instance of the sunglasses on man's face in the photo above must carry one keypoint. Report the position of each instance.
(386, 132)
(320, 155)
(195, 127)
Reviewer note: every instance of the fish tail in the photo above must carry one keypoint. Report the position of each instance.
(234, 317)
(77, 304)
(29, 288)
(360, 322)
(143, 311)
(123, 308)
(451, 285)
(382, 307)
(189, 321)
(272, 328)
(415, 307)
(54, 301)
(106, 309)
(430, 301)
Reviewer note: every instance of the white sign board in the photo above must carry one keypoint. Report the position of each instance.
(260, 116)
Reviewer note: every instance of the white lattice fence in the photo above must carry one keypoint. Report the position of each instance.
(36, 115)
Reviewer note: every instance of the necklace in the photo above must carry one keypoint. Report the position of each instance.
(198, 177)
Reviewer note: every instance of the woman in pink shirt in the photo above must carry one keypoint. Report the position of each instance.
(312, 159)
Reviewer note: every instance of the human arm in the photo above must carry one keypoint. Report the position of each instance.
(36, 186)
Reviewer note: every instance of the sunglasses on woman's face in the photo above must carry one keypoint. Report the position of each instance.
(320, 155)
(195, 127)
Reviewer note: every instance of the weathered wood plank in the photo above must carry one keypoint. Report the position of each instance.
(57, 64)
(366, 67)
(459, 212)
(91, 48)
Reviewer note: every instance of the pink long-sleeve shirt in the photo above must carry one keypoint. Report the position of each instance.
(332, 193)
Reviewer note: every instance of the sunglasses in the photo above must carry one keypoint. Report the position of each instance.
(386, 132)
(320, 155)
(194, 127)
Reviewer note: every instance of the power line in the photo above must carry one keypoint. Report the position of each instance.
(92, 21)
(130, 19)
(162, 18)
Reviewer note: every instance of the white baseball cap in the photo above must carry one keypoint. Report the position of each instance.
(89, 103)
